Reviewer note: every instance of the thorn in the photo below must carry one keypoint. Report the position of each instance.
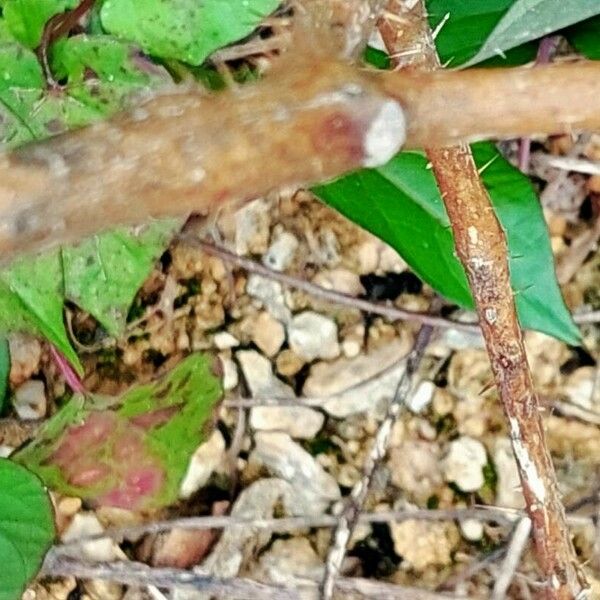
(487, 164)
(487, 387)
(439, 26)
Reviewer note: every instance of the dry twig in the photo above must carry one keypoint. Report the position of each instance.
(390, 312)
(287, 524)
(349, 518)
(519, 540)
(138, 574)
(569, 163)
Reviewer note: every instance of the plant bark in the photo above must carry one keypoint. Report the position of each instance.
(481, 246)
(311, 119)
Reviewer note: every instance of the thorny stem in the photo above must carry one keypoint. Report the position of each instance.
(311, 119)
(481, 247)
(349, 518)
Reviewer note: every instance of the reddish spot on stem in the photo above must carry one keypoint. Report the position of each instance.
(339, 134)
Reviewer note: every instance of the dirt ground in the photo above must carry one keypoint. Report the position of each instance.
(307, 384)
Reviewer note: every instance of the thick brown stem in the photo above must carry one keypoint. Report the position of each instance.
(310, 120)
(481, 247)
(449, 107)
(186, 151)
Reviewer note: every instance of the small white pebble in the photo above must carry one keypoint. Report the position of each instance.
(224, 340)
(421, 398)
(464, 463)
(30, 400)
(281, 252)
(350, 348)
(5, 451)
(472, 529)
(312, 335)
(230, 373)
(205, 460)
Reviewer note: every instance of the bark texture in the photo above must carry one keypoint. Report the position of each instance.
(309, 120)
(481, 246)
(185, 151)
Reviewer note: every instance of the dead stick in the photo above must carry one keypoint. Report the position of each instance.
(378, 308)
(482, 249)
(502, 516)
(310, 120)
(138, 574)
(510, 564)
(349, 518)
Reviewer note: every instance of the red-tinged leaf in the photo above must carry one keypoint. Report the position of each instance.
(130, 452)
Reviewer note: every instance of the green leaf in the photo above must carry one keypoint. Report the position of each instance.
(531, 19)
(539, 300)
(21, 84)
(585, 38)
(400, 203)
(476, 31)
(103, 273)
(26, 18)
(32, 298)
(133, 451)
(377, 58)
(99, 74)
(4, 372)
(102, 74)
(26, 528)
(467, 26)
(185, 30)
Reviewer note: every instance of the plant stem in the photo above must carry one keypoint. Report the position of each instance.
(482, 249)
(71, 378)
(311, 119)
